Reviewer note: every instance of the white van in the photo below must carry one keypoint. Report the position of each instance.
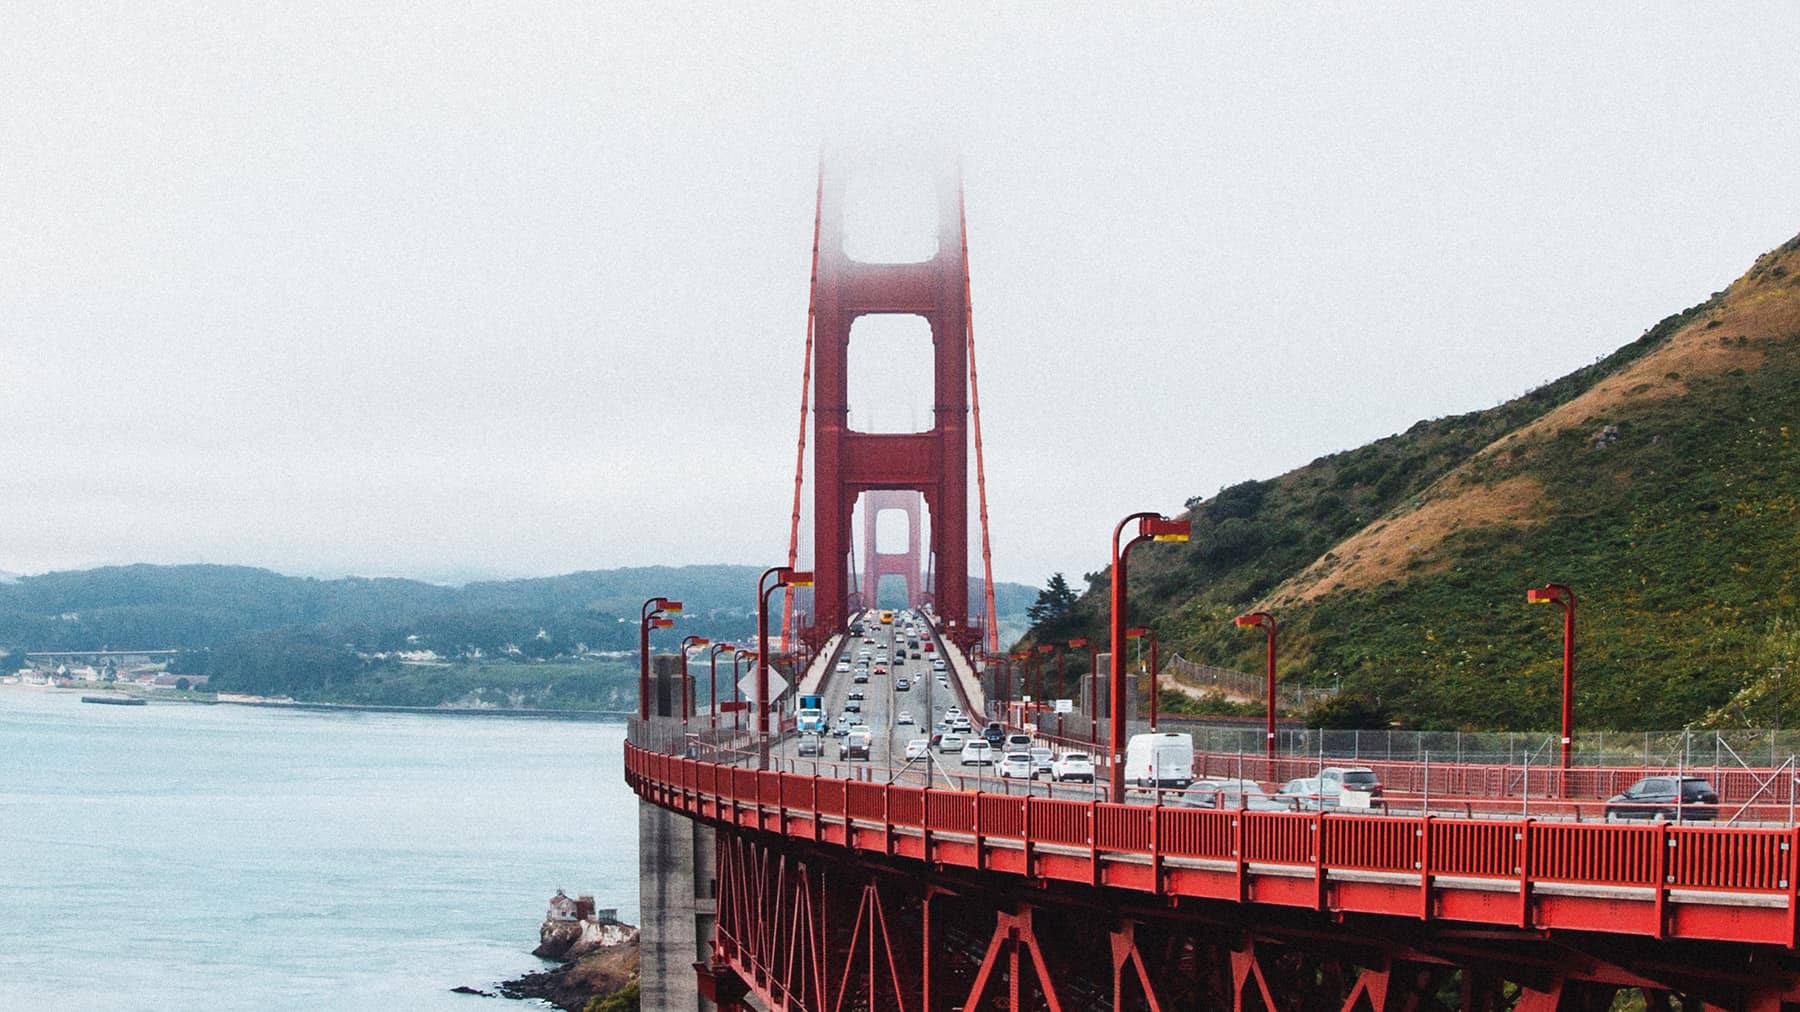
(1164, 759)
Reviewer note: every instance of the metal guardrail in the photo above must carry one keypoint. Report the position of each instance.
(1657, 880)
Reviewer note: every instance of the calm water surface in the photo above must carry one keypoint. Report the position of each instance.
(175, 856)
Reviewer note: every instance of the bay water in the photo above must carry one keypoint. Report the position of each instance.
(180, 856)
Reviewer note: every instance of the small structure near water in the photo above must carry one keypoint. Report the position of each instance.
(598, 953)
(573, 926)
(581, 908)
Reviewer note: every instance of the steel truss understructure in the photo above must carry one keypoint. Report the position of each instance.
(824, 929)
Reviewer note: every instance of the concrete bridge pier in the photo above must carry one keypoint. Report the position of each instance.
(676, 880)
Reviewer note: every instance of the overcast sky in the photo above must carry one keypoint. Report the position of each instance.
(458, 290)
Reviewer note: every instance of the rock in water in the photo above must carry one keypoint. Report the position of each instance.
(599, 955)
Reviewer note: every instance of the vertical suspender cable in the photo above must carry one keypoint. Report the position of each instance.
(987, 558)
(787, 597)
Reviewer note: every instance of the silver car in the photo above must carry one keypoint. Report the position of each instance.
(1019, 765)
(1229, 794)
(977, 752)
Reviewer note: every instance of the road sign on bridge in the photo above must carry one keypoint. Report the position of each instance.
(777, 685)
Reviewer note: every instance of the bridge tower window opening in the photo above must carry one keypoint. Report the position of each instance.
(891, 386)
(891, 216)
(894, 535)
(892, 591)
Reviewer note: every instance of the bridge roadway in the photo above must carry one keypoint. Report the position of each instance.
(1532, 913)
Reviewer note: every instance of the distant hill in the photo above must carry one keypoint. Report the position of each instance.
(534, 643)
(203, 606)
(1660, 483)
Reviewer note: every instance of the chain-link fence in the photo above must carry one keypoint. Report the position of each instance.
(1207, 678)
(1684, 749)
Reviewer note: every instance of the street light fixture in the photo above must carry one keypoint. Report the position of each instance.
(653, 608)
(1093, 703)
(712, 664)
(1042, 650)
(1150, 527)
(737, 689)
(688, 643)
(1023, 670)
(1266, 622)
(1564, 598)
(1139, 632)
(785, 576)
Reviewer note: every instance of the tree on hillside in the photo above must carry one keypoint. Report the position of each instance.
(1053, 602)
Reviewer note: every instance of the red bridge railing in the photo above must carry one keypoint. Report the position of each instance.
(1657, 880)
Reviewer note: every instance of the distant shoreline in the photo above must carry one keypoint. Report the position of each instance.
(445, 711)
(599, 716)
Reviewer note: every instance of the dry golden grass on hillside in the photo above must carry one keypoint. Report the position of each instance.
(1402, 544)
(1758, 307)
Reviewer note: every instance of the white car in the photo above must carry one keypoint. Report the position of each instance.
(937, 664)
(977, 753)
(1041, 759)
(1018, 764)
(952, 743)
(905, 717)
(917, 748)
(1073, 766)
(952, 712)
(1017, 742)
(843, 667)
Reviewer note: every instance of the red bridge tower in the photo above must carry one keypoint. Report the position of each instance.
(934, 463)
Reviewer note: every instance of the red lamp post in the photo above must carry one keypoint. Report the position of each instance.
(1021, 663)
(688, 643)
(712, 678)
(656, 606)
(1151, 527)
(1093, 703)
(1139, 632)
(1266, 622)
(1042, 650)
(737, 690)
(785, 576)
(1564, 598)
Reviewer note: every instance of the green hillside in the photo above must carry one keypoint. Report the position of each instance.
(1659, 483)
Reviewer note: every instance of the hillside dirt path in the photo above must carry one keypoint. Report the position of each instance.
(1169, 681)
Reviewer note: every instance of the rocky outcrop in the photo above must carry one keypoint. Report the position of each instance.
(567, 941)
(599, 957)
(571, 986)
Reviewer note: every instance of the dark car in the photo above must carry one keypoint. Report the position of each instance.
(1654, 798)
(994, 733)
